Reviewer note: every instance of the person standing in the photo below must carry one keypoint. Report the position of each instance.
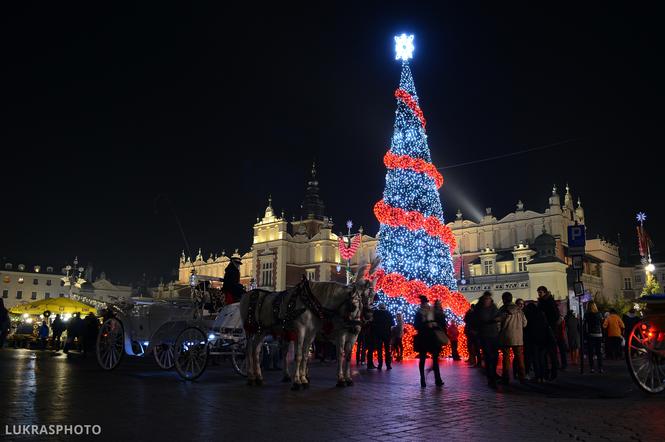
(426, 341)
(43, 335)
(58, 327)
(488, 335)
(511, 337)
(630, 319)
(381, 327)
(615, 330)
(547, 305)
(471, 333)
(361, 350)
(453, 335)
(5, 323)
(89, 333)
(593, 331)
(573, 333)
(397, 336)
(537, 340)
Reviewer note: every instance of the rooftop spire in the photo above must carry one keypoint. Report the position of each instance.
(313, 204)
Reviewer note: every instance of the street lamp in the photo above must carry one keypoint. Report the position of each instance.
(74, 277)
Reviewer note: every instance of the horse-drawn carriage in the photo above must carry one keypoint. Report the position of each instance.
(645, 347)
(175, 332)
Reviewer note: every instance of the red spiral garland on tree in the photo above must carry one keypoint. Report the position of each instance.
(406, 97)
(393, 161)
(413, 220)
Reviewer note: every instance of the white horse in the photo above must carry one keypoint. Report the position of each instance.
(302, 311)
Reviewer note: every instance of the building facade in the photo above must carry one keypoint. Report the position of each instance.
(22, 284)
(517, 253)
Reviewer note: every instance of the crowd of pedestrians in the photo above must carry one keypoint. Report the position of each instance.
(538, 339)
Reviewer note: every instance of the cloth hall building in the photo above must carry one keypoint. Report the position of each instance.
(518, 252)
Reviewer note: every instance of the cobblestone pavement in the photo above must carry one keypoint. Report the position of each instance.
(137, 401)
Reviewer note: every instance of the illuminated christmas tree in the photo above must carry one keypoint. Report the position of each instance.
(415, 245)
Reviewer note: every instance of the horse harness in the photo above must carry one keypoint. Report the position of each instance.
(302, 292)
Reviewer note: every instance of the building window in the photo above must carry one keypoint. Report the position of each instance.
(311, 274)
(20, 279)
(35, 281)
(488, 267)
(34, 295)
(47, 295)
(627, 284)
(266, 274)
(5, 294)
(49, 269)
(6, 279)
(21, 267)
(8, 266)
(48, 282)
(638, 280)
(521, 263)
(19, 295)
(62, 295)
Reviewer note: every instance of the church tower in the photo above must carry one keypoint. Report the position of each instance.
(312, 209)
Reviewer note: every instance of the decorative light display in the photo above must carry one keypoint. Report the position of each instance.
(347, 252)
(404, 47)
(415, 245)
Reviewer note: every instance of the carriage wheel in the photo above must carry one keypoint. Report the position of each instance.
(191, 353)
(164, 355)
(239, 360)
(644, 357)
(110, 344)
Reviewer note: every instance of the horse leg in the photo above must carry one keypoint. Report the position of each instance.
(347, 360)
(285, 344)
(341, 357)
(298, 356)
(304, 361)
(249, 354)
(257, 360)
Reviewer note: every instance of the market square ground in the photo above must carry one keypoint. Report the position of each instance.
(139, 402)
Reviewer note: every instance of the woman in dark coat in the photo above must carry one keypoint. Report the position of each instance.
(537, 340)
(426, 341)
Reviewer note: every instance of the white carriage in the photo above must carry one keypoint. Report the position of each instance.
(176, 333)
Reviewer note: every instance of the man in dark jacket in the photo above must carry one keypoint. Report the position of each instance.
(547, 305)
(487, 319)
(232, 288)
(381, 326)
(58, 327)
(471, 332)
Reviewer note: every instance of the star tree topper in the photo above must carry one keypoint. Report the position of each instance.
(404, 47)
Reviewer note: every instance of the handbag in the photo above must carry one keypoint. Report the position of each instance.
(441, 337)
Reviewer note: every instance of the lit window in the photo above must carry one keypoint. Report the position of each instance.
(6, 279)
(266, 274)
(5, 294)
(34, 295)
(20, 279)
(19, 295)
(627, 284)
(521, 263)
(488, 267)
(311, 274)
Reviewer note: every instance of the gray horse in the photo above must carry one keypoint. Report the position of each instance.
(301, 312)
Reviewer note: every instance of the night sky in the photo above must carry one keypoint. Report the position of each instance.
(114, 121)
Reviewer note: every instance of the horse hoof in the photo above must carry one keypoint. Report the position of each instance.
(258, 382)
(295, 387)
(286, 379)
(341, 384)
(305, 386)
(349, 383)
